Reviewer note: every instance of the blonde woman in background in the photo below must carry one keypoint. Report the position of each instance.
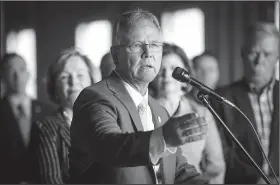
(67, 77)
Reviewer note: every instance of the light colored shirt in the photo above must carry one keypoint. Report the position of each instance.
(262, 105)
(15, 101)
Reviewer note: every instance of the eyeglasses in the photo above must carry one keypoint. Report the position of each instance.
(140, 47)
(254, 54)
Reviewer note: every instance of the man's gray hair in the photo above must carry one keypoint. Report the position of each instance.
(128, 19)
(259, 27)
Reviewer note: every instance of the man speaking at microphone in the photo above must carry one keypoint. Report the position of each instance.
(257, 95)
(119, 134)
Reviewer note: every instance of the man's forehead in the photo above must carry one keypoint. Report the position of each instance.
(141, 22)
(263, 38)
(262, 41)
(141, 28)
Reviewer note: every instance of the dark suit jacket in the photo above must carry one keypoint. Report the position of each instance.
(13, 151)
(49, 146)
(108, 144)
(239, 168)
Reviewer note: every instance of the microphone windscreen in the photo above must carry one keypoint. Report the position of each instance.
(179, 73)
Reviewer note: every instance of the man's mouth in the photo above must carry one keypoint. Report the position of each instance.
(258, 69)
(147, 66)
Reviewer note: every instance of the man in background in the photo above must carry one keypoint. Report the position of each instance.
(257, 95)
(17, 112)
(206, 68)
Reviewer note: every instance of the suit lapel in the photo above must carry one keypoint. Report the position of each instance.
(243, 101)
(11, 122)
(117, 87)
(275, 115)
(274, 135)
(156, 117)
(64, 129)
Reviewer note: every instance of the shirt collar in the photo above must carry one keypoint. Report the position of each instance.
(16, 100)
(267, 88)
(135, 95)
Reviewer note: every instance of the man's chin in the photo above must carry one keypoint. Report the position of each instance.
(260, 79)
(148, 77)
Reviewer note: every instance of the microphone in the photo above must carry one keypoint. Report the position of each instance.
(183, 75)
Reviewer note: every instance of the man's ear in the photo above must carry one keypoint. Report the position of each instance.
(114, 53)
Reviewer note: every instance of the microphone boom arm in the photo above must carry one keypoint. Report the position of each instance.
(202, 98)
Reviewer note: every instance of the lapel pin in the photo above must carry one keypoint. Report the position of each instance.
(159, 120)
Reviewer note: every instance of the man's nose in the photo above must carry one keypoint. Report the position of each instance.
(260, 58)
(147, 51)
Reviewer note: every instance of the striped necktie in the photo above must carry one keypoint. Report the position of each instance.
(142, 110)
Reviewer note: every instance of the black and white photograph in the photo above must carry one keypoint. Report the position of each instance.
(139, 92)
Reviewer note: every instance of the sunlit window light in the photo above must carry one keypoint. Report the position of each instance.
(23, 43)
(277, 24)
(185, 28)
(94, 39)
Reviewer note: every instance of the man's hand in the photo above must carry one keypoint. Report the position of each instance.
(184, 129)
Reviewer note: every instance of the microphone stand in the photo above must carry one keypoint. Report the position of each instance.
(203, 99)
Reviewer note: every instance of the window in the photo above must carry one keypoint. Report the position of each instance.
(94, 39)
(23, 43)
(185, 28)
(277, 24)
(277, 13)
